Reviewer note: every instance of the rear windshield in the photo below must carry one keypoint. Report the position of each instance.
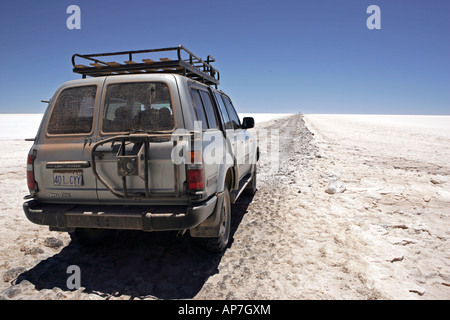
(138, 107)
(73, 111)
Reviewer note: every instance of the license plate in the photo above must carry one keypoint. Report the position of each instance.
(68, 178)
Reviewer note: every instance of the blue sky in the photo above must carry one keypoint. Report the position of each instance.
(310, 56)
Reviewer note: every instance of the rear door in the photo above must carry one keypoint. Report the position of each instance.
(231, 138)
(134, 167)
(62, 165)
(212, 142)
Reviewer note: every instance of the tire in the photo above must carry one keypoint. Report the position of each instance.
(218, 244)
(89, 237)
(250, 189)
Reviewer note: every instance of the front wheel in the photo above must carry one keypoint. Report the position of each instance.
(218, 244)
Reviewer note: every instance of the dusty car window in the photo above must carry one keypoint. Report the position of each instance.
(232, 113)
(138, 106)
(199, 111)
(73, 111)
(224, 113)
(206, 98)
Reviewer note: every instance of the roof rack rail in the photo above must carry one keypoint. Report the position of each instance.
(191, 66)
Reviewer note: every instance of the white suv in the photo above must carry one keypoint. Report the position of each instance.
(149, 145)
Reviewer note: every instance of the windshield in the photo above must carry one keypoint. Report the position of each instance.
(138, 107)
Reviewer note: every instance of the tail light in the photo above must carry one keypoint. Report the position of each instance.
(195, 172)
(196, 179)
(30, 172)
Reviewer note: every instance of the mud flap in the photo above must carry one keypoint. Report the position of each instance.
(211, 226)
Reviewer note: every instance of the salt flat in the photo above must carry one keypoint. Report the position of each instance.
(263, 117)
(397, 201)
(411, 137)
(19, 126)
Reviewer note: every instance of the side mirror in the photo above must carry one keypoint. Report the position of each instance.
(248, 123)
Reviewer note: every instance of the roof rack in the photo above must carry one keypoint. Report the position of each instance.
(191, 66)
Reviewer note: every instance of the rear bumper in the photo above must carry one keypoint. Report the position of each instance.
(146, 218)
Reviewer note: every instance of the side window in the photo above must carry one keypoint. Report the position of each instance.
(207, 104)
(224, 112)
(73, 111)
(198, 107)
(232, 113)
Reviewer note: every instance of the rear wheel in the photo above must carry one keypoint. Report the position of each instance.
(218, 244)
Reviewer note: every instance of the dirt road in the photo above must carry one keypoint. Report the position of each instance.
(291, 240)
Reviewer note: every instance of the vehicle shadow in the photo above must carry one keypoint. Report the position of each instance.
(136, 264)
